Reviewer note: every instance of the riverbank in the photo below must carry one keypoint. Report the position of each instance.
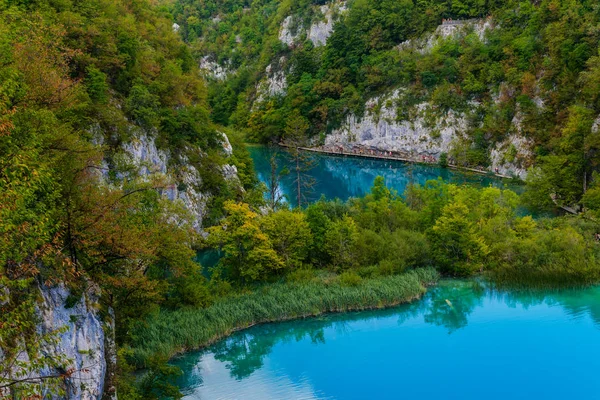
(363, 152)
(169, 333)
(458, 324)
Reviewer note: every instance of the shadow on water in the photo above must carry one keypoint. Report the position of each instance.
(448, 305)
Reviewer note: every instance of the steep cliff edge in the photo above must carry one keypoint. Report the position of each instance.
(82, 343)
(75, 337)
(184, 177)
(425, 129)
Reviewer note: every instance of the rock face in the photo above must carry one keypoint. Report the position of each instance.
(429, 131)
(82, 343)
(77, 344)
(512, 156)
(318, 32)
(143, 153)
(212, 69)
(381, 130)
(275, 82)
(449, 29)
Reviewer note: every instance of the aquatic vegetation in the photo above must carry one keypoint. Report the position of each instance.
(170, 332)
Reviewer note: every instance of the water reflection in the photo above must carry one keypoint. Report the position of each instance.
(345, 177)
(247, 356)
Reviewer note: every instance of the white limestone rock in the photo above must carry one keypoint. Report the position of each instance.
(513, 156)
(274, 83)
(456, 29)
(286, 34)
(82, 343)
(385, 132)
(186, 179)
(212, 69)
(319, 31)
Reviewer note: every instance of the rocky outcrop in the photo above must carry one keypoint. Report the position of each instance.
(449, 29)
(429, 132)
(512, 157)
(380, 129)
(82, 343)
(274, 82)
(71, 355)
(212, 69)
(185, 178)
(319, 30)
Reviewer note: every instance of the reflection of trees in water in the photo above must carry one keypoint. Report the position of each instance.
(244, 352)
(345, 177)
(577, 303)
(448, 305)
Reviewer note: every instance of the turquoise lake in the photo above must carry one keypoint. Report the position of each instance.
(461, 341)
(345, 177)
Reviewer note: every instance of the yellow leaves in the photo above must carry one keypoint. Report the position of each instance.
(524, 227)
(43, 66)
(6, 124)
(248, 250)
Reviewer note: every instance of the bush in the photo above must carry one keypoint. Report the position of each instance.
(371, 271)
(444, 160)
(350, 278)
(301, 275)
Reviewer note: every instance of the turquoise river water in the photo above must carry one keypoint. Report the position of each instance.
(461, 341)
(345, 177)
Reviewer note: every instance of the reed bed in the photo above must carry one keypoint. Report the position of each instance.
(168, 333)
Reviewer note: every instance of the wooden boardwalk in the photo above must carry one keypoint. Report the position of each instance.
(393, 158)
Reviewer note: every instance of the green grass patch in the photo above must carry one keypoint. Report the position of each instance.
(168, 333)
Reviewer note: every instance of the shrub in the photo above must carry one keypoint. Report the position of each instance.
(301, 275)
(350, 278)
(444, 160)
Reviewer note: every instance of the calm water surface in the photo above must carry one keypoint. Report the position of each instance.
(345, 177)
(462, 341)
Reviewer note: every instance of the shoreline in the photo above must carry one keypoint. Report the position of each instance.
(175, 333)
(309, 315)
(395, 158)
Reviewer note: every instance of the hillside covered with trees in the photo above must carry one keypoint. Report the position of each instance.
(122, 156)
(79, 82)
(530, 75)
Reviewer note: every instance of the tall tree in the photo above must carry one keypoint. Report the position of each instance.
(295, 138)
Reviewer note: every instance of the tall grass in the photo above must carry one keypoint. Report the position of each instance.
(168, 333)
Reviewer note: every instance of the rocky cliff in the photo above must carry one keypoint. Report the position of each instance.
(82, 343)
(426, 130)
(86, 339)
(185, 181)
(318, 31)
(76, 339)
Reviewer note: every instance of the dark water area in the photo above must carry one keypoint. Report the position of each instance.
(345, 177)
(461, 341)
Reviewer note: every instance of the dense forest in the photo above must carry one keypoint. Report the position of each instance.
(538, 62)
(78, 79)
(81, 80)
